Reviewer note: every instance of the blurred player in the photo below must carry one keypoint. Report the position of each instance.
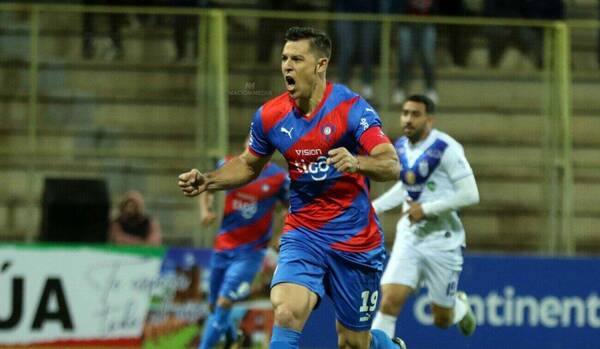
(332, 243)
(240, 245)
(436, 180)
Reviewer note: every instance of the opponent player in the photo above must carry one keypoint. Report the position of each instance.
(332, 243)
(240, 245)
(435, 181)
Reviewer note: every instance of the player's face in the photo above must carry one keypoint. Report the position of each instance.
(299, 67)
(414, 121)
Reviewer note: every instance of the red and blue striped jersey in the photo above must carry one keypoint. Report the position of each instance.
(333, 207)
(248, 213)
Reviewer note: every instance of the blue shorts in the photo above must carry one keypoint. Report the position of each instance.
(353, 286)
(232, 274)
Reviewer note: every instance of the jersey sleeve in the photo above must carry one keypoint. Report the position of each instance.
(394, 197)
(366, 125)
(220, 163)
(259, 143)
(361, 117)
(455, 162)
(372, 138)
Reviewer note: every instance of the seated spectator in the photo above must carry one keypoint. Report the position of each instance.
(133, 226)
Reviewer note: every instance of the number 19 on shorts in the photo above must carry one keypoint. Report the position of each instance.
(369, 303)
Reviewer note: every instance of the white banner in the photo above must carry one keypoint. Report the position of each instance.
(52, 294)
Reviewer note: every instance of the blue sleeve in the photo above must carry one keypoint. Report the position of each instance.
(259, 142)
(220, 163)
(361, 117)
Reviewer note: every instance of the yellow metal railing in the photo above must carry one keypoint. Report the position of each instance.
(211, 121)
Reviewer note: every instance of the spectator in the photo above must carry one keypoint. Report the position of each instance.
(356, 34)
(133, 226)
(545, 10)
(528, 40)
(421, 36)
(458, 35)
(116, 21)
(181, 26)
(270, 31)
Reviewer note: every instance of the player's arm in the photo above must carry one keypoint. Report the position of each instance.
(392, 198)
(380, 165)
(235, 173)
(465, 194)
(207, 214)
(455, 164)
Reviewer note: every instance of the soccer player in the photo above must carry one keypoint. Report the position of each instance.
(332, 243)
(436, 180)
(240, 245)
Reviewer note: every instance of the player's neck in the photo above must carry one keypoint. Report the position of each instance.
(308, 105)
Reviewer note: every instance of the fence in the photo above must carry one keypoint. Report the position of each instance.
(141, 121)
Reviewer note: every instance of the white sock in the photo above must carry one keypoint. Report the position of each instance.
(460, 310)
(386, 323)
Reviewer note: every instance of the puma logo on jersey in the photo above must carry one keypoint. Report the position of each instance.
(288, 132)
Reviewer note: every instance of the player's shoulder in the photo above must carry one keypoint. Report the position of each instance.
(275, 109)
(359, 107)
(343, 92)
(446, 138)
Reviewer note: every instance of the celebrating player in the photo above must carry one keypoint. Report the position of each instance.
(332, 244)
(435, 181)
(240, 245)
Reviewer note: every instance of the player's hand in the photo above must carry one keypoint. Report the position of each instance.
(207, 218)
(415, 212)
(342, 160)
(192, 183)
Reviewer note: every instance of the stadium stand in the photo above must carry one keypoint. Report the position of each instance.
(128, 122)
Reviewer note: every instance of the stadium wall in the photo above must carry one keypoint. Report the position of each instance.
(156, 298)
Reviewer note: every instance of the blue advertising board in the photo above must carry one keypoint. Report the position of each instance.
(520, 303)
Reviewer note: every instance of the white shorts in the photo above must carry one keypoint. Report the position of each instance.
(416, 266)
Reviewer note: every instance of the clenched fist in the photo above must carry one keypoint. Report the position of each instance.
(192, 183)
(342, 160)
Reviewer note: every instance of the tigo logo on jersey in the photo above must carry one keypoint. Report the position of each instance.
(317, 169)
(246, 209)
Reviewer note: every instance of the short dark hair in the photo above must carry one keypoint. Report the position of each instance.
(429, 105)
(319, 40)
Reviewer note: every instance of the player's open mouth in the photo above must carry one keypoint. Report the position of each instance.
(290, 83)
